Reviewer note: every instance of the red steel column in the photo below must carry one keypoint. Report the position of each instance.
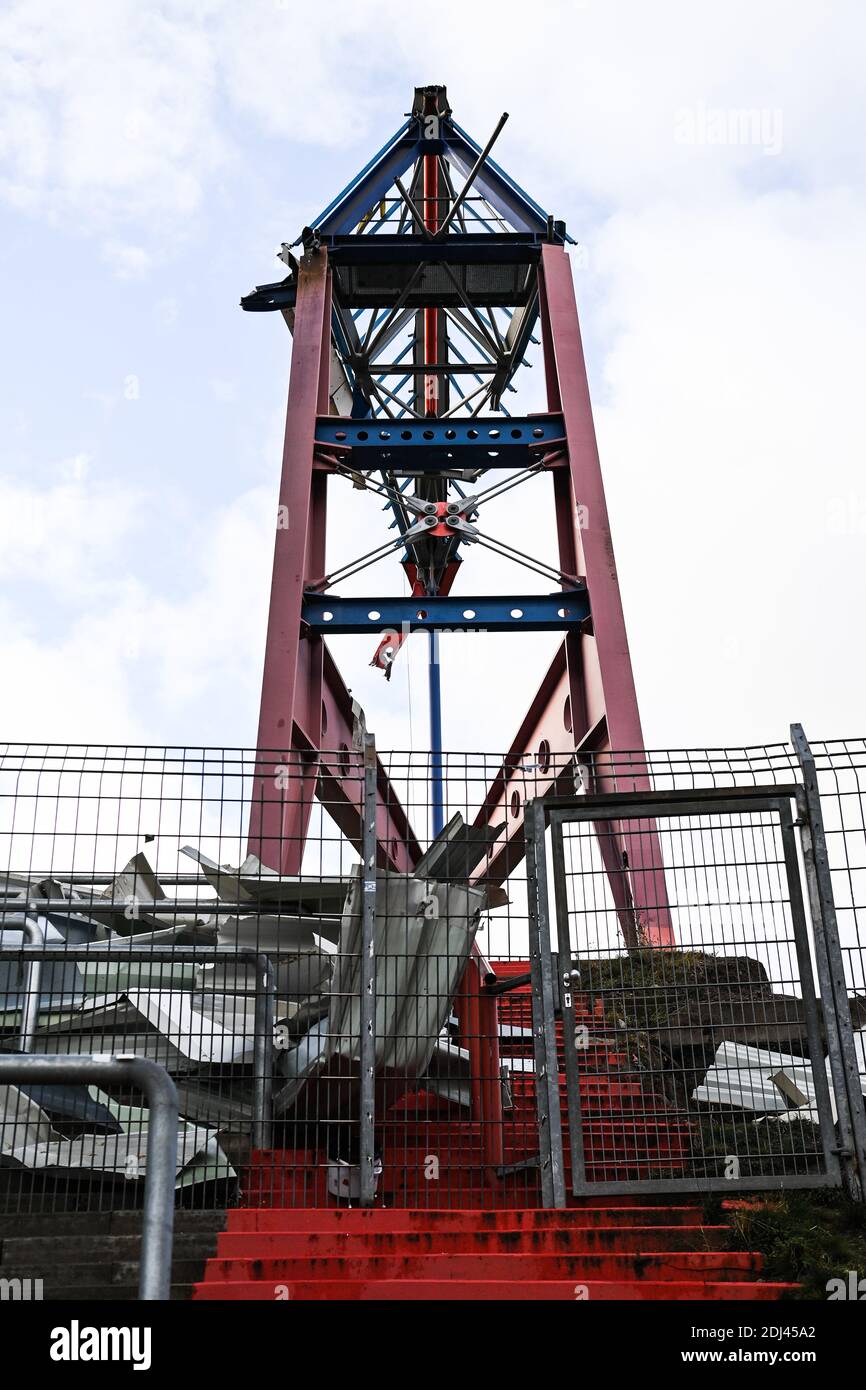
(292, 679)
(431, 315)
(568, 392)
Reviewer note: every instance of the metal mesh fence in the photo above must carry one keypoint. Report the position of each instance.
(205, 908)
(165, 935)
(841, 769)
(695, 1059)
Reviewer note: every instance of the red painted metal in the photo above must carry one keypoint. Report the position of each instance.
(587, 700)
(431, 315)
(292, 678)
(304, 701)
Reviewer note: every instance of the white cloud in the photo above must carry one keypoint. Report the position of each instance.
(730, 432)
(127, 262)
(113, 653)
(107, 111)
(67, 537)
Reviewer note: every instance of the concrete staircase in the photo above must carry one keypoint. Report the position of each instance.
(596, 1252)
(467, 1233)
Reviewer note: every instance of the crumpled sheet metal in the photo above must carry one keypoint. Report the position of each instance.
(30, 1141)
(298, 975)
(423, 936)
(199, 1020)
(742, 1078)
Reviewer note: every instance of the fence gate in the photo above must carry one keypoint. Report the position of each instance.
(697, 1066)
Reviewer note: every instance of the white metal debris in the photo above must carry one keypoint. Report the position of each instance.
(768, 1083)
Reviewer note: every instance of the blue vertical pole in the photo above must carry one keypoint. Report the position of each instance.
(436, 780)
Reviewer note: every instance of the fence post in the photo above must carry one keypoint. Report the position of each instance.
(831, 974)
(263, 1051)
(547, 1100)
(367, 986)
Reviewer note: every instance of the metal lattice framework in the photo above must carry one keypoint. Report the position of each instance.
(413, 300)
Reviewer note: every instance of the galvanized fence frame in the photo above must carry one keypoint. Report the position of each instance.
(154, 1279)
(831, 968)
(844, 1155)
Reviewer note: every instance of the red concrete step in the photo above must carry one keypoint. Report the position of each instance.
(602, 1250)
(555, 1240)
(717, 1265)
(363, 1220)
(467, 1291)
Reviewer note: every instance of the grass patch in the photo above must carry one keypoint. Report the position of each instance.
(646, 987)
(805, 1237)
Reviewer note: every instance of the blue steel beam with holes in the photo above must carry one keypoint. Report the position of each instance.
(434, 445)
(562, 611)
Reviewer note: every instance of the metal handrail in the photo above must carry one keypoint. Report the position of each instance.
(265, 990)
(154, 1273)
(32, 929)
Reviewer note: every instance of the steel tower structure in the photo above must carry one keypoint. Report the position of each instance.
(413, 299)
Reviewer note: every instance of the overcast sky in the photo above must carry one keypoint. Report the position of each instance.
(708, 159)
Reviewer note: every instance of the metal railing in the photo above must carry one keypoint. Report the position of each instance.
(154, 1280)
(30, 928)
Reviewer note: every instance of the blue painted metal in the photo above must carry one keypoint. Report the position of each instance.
(561, 611)
(501, 191)
(280, 294)
(370, 184)
(483, 442)
(437, 787)
(471, 248)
